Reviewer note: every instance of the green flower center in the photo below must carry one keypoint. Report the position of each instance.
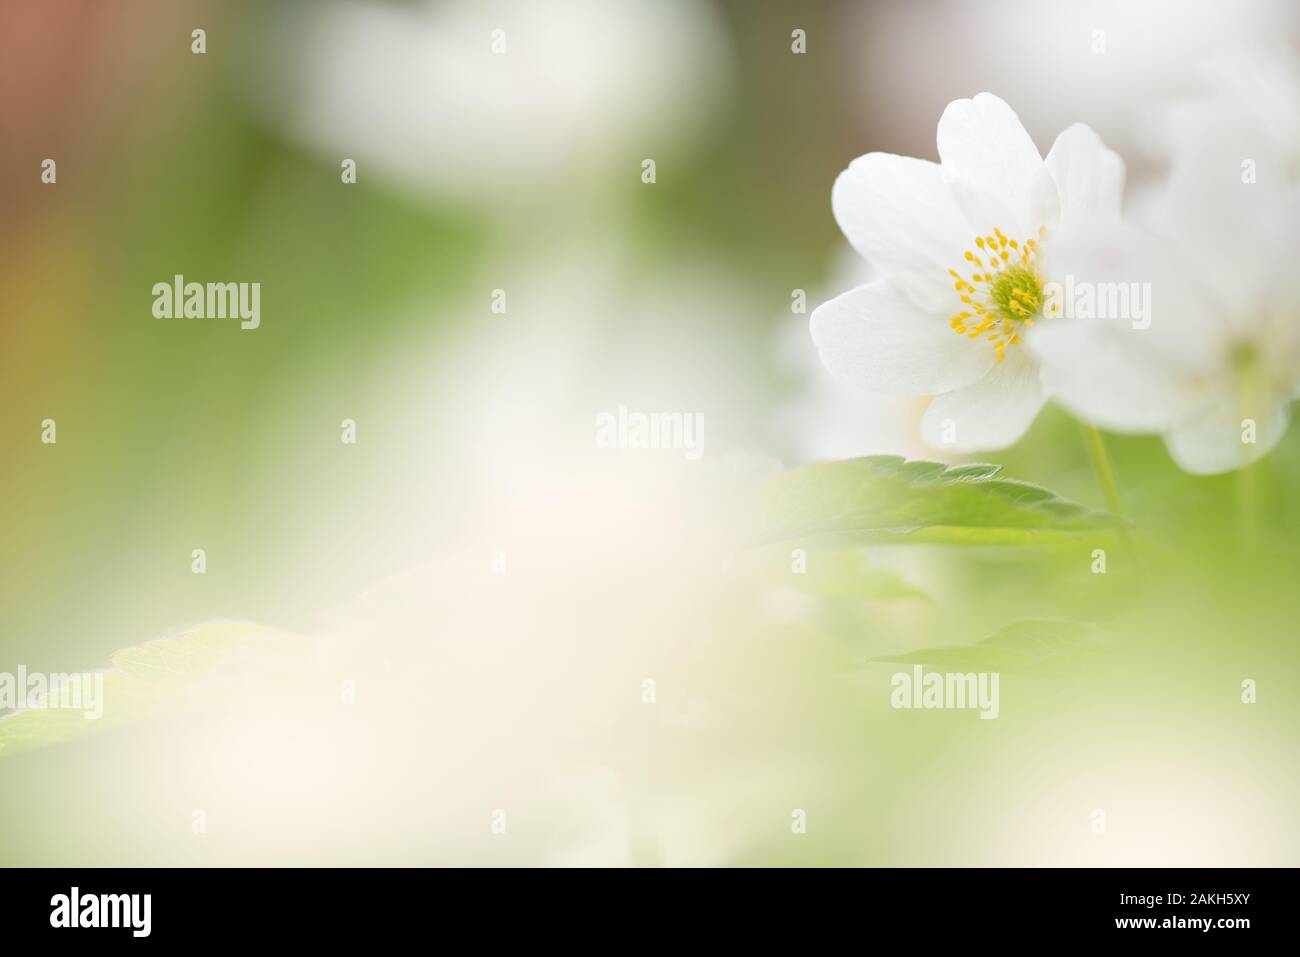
(1004, 293)
(1017, 293)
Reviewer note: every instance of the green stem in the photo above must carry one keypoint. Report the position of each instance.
(1247, 505)
(1101, 465)
(1246, 364)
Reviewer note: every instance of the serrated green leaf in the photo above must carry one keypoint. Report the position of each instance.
(144, 682)
(882, 499)
(1031, 644)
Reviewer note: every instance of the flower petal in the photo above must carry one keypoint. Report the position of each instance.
(1213, 443)
(1103, 374)
(1138, 345)
(898, 213)
(1089, 178)
(1230, 232)
(875, 339)
(995, 171)
(992, 414)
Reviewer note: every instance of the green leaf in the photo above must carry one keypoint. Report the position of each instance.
(156, 679)
(884, 498)
(1031, 644)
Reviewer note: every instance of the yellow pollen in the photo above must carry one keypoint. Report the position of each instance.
(1003, 294)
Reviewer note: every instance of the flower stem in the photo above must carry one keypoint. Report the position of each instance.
(1247, 505)
(1246, 365)
(1101, 465)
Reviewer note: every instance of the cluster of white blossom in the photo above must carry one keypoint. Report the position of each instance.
(1004, 279)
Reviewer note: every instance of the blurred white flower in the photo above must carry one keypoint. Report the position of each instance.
(493, 99)
(1219, 362)
(1243, 124)
(1101, 62)
(959, 248)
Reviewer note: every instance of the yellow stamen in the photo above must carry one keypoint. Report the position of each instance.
(1001, 295)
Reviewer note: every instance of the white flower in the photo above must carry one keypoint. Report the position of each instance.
(492, 100)
(1245, 123)
(825, 420)
(1216, 362)
(959, 248)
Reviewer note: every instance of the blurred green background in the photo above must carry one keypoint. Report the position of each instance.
(522, 171)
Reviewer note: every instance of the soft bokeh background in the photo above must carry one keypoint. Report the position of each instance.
(523, 691)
